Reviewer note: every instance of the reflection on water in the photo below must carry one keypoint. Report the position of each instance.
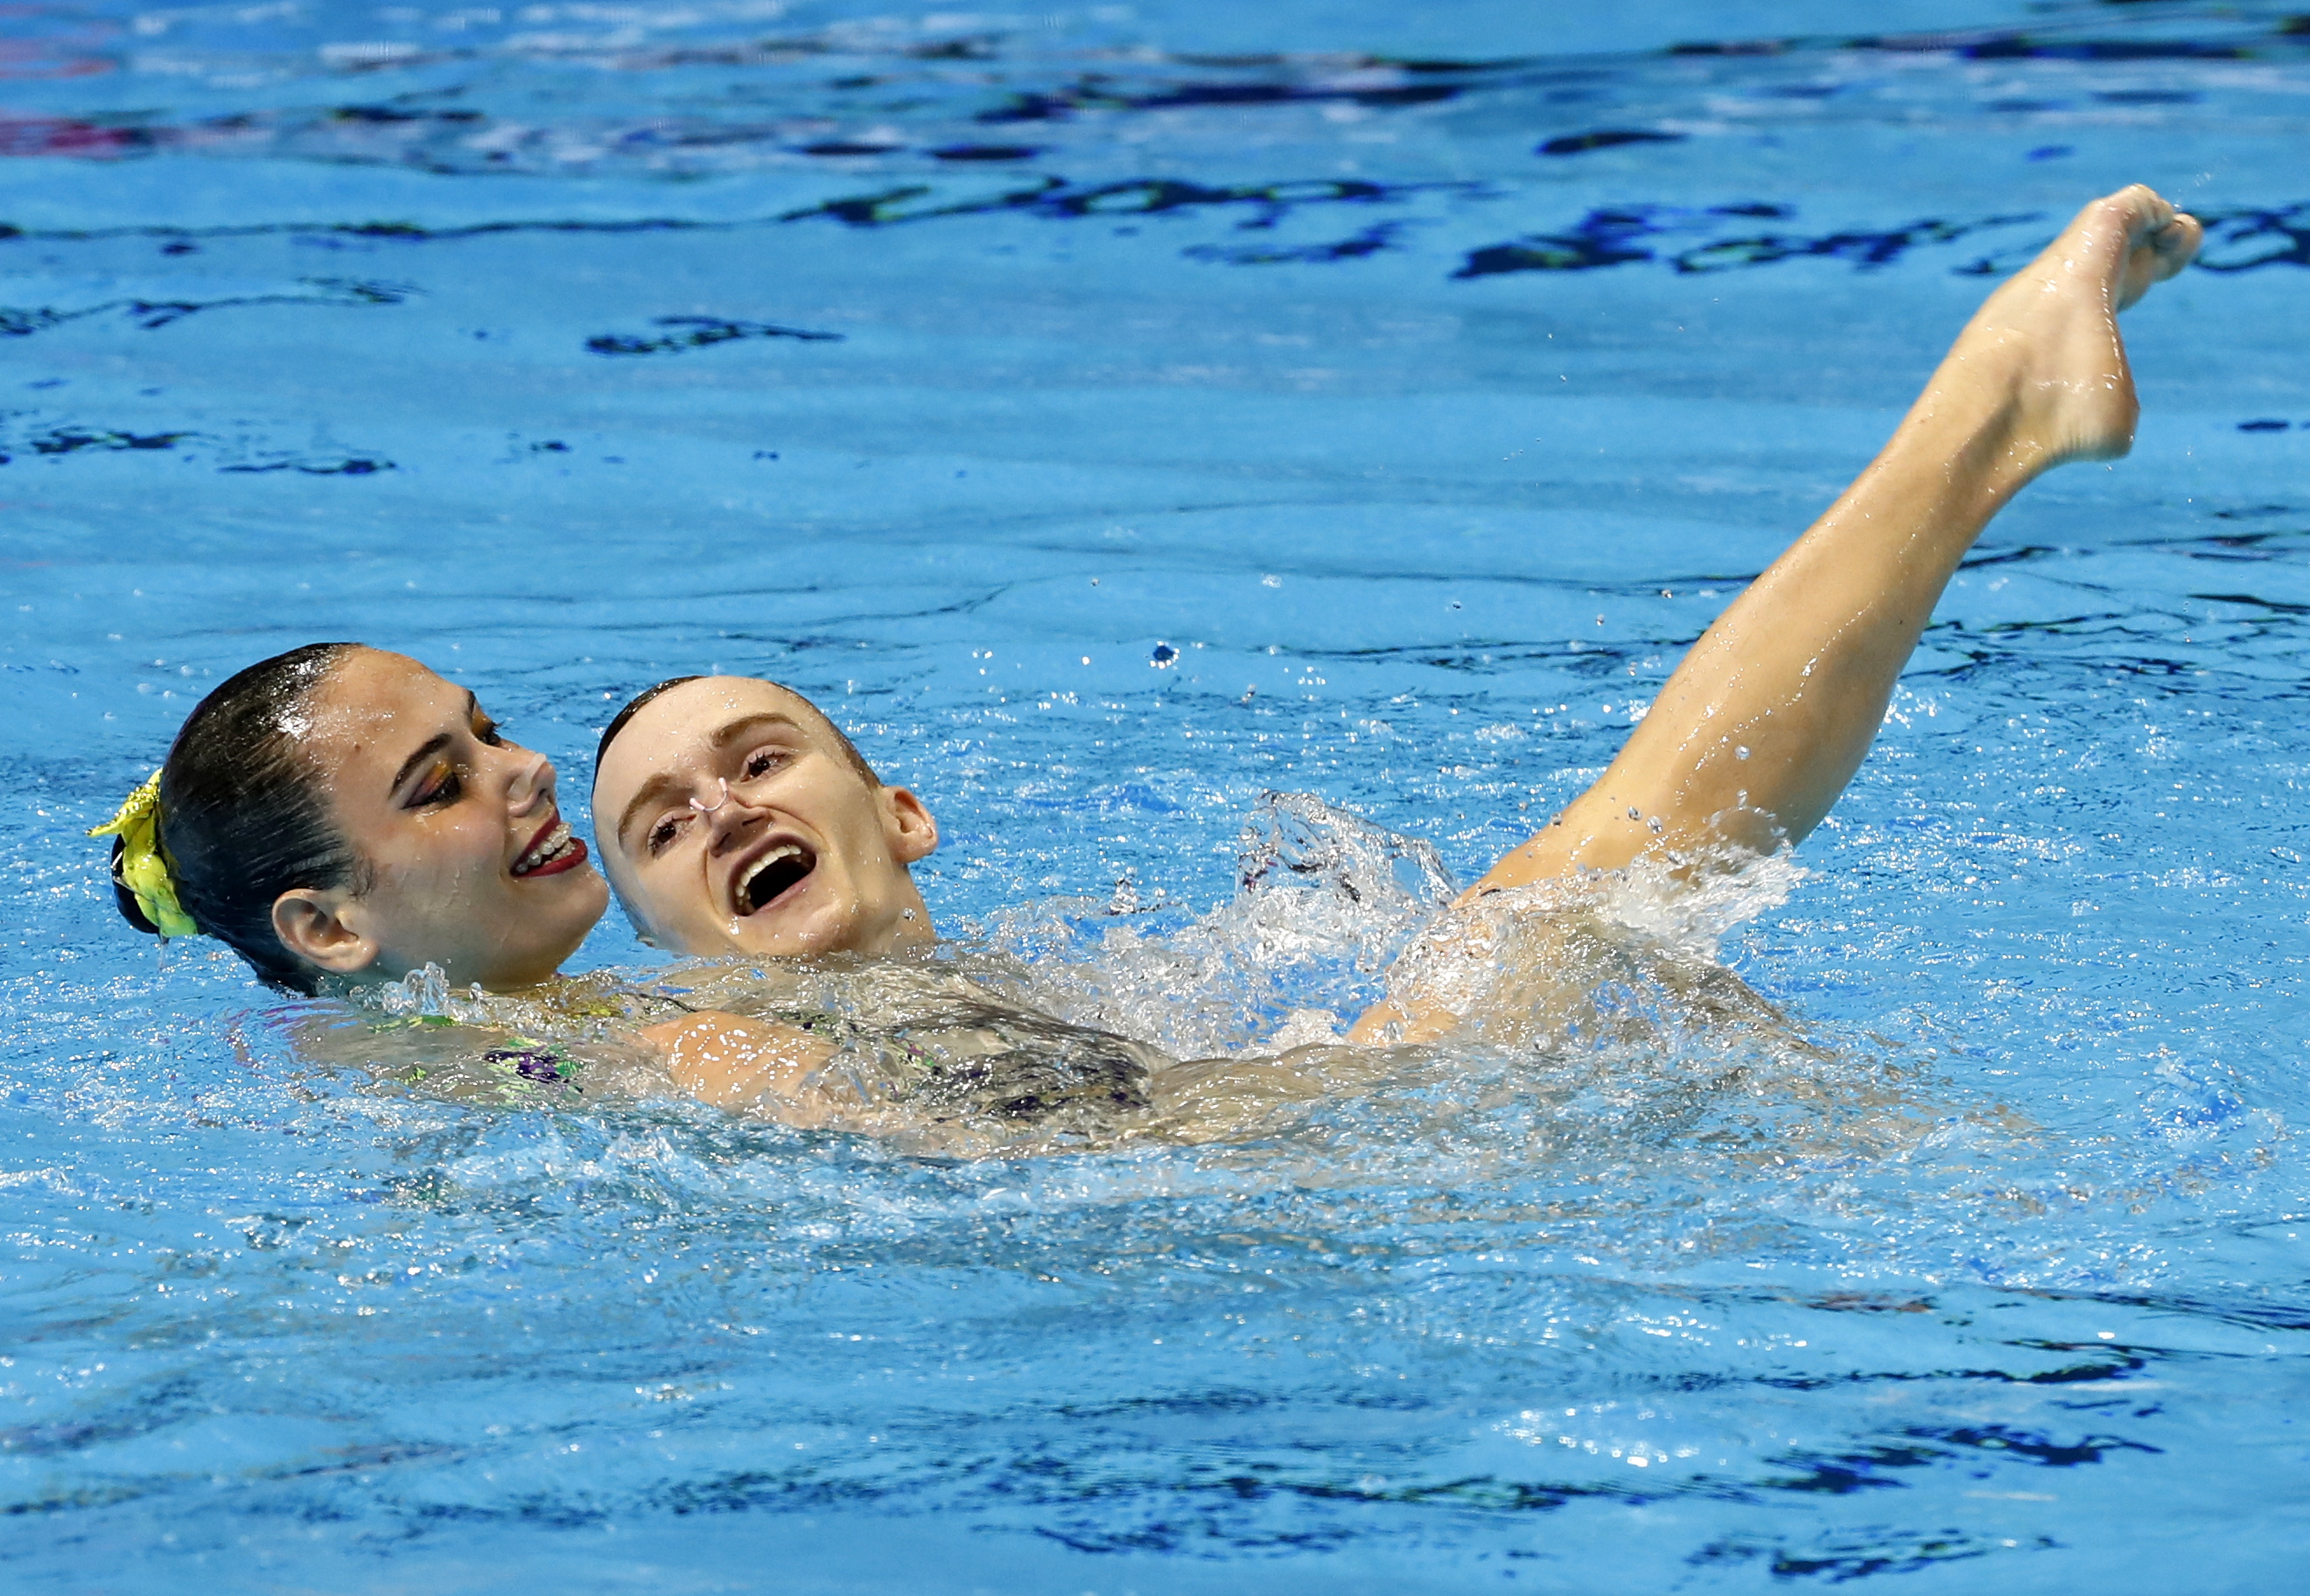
(1127, 422)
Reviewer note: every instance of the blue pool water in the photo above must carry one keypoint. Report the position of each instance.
(1113, 414)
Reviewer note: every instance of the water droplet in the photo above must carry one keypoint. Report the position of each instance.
(1163, 656)
(1741, 753)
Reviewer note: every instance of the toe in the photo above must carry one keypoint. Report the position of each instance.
(2159, 239)
(2138, 208)
(2177, 241)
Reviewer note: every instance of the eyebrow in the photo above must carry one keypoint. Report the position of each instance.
(665, 785)
(432, 745)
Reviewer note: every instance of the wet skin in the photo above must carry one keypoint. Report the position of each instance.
(1762, 725)
(731, 821)
(442, 810)
(1749, 742)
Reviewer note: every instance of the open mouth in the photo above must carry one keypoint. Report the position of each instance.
(551, 851)
(774, 875)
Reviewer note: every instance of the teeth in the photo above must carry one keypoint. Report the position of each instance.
(783, 851)
(746, 903)
(551, 846)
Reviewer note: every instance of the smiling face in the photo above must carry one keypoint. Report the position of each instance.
(732, 820)
(466, 862)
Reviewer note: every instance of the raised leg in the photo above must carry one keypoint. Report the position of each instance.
(1761, 726)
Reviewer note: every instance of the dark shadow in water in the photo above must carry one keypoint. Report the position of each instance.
(72, 440)
(1601, 238)
(1058, 199)
(2236, 240)
(357, 465)
(60, 441)
(2241, 240)
(1619, 237)
(1863, 250)
(699, 331)
(1606, 138)
(1371, 241)
(159, 313)
(2021, 554)
(1095, 93)
(1100, 1493)
(1051, 197)
(1860, 1554)
(2003, 44)
(2275, 606)
(1918, 1446)
(391, 231)
(987, 152)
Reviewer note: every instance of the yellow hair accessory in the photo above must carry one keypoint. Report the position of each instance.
(141, 867)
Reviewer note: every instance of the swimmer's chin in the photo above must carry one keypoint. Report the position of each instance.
(822, 932)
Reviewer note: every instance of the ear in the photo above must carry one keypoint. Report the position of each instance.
(311, 924)
(912, 834)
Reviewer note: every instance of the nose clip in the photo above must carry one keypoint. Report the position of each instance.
(707, 808)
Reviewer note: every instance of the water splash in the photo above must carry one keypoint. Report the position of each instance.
(424, 994)
(1325, 901)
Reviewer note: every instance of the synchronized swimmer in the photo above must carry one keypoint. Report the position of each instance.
(340, 815)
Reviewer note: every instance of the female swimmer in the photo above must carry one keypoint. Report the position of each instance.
(338, 811)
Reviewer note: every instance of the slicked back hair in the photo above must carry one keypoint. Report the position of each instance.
(244, 816)
(634, 706)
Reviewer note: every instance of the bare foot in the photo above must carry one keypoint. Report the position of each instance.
(2045, 350)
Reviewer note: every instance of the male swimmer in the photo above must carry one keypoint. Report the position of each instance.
(735, 818)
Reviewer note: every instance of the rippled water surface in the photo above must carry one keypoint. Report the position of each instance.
(1114, 414)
